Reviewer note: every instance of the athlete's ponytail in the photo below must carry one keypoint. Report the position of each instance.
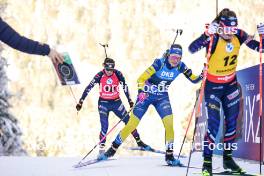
(224, 11)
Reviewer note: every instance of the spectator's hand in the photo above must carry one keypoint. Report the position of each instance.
(55, 56)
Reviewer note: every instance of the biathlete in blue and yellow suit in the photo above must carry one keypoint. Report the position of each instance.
(221, 87)
(109, 80)
(153, 90)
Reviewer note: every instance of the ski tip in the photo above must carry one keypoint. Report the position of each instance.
(90, 162)
(75, 166)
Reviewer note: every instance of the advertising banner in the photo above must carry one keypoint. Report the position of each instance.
(248, 122)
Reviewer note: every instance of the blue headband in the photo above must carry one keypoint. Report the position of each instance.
(229, 21)
(176, 51)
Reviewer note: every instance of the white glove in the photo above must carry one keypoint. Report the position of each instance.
(212, 29)
(260, 28)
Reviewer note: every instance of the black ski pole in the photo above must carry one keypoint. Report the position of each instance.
(201, 93)
(104, 137)
(216, 8)
(178, 32)
(186, 132)
(191, 151)
(74, 98)
(260, 105)
(105, 46)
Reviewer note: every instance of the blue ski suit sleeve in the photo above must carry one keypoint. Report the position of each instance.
(248, 40)
(189, 75)
(10, 37)
(201, 42)
(157, 64)
(94, 81)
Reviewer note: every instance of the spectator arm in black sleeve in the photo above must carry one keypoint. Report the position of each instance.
(12, 38)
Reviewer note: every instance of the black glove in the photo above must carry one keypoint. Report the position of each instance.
(131, 103)
(188, 73)
(79, 105)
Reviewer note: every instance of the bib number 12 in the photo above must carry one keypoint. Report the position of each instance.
(229, 61)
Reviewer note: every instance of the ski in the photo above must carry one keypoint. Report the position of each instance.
(232, 173)
(90, 162)
(192, 167)
(227, 173)
(162, 152)
(146, 149)
(151, 150)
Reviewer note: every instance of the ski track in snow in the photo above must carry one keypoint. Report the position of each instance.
(129, 166)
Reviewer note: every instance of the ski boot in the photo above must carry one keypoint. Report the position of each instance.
(171, 161)
(229, 163)
(101, 148)
(207, 166)
(109, 153)
(142, 145)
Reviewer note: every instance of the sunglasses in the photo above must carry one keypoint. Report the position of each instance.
(175, 57)
(109, 69)
(109, 66)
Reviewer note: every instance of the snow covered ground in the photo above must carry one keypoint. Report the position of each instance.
(128, 166)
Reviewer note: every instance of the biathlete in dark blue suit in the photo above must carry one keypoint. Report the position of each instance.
(109, 80)
(221, 87)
